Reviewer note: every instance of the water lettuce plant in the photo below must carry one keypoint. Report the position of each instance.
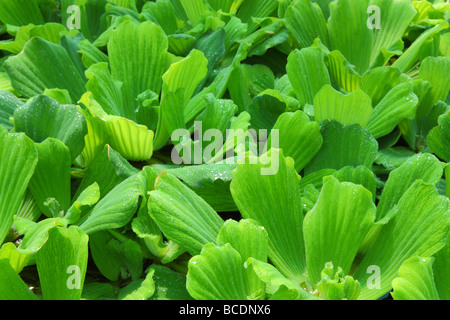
(224, 149)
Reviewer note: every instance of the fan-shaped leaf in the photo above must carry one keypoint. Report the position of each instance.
(418, 228)
(18, 161)
(216, 274)
(355, 107)
(415, 280)
(182, 215)
(336, 226)
(42, 118)
(259, 195)
(344, 146)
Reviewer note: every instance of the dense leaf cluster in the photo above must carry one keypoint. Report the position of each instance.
(349, 98)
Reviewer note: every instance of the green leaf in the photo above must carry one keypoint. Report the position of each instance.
(62, 264)
(108, 169)
(235, 30)
(170, 285)
(399, 104)
(117, 208)
(90, 54)
(211, 182)
(264, 110)
(106, 257)
(212, 45)
(284, 87)
(336, 226)
(440, 271)
(98, 291)
(415, 280)
(248, 10)
(222, 82)
(36, 234)
(5, 82)
(355, 107)
(22, 224)
(447, 174)
(251, 241)
(358, 175)
(52, 32)
(342, 73)
(445, 45)
(17, 260)
(51, 178)
(105, 90)
(61, 96)
(269, 37)
(307, 72)
(216, 274)
(178, 88)
(435, 70)
(246, 81)
(409, 58)
(395, 17)
(306, 22)
(8, 104)
(88, 198)
(309, 197)
(224, 5)
(278, 287)
(390, 140)
(182, 215)
(20, 12)
(12, 286)
(431, 120)
(140, 289)
(316, 178)
(15, 45)
(423, 166)
(70, 44)
(335, 285)
(298, 136)
(180, 44)
(94, 140)
(129, 4)
(324, 5)
(418, 228)
(195, 9)
(133, 141)
(438, 138)
(147, 230)
(116, 254)
(44, 65)
(259, 189)
(344, 146)
(161, 12)
(92, 16)
(238, 140)
(18, 161)
(42, 118)
(393, 158)
(218, 114)
(127, 252)
(349, 33)
(378, 82)
(143, 47)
